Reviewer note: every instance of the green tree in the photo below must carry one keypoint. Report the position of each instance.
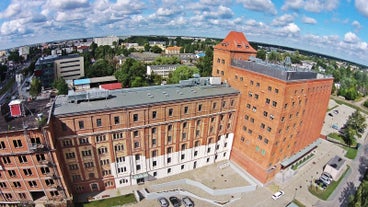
(274, 57)
(129, 71)
(100, 68)
(156, 49)
(182, 73)
(204, 64)
(359, 199)
(14, 56)
(261, 54)
(166, 60)
(3, 69)
(349, 135)
(35, 87)
(356, 121)
(61, 86)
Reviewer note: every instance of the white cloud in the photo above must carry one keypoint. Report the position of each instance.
(309, 20)
(259, 5)
(362, 7)
(356, 24)
(283, 20)
(311, 5)
(292, 28)
(67, 4)
(13, 27)
(165, 11)
(351, 37)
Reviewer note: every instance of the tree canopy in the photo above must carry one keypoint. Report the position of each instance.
(35, 87)
(61, 86)
(132, 73)
(182, 73)
(205, 63)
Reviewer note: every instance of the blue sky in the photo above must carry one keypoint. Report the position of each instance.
(333, 27)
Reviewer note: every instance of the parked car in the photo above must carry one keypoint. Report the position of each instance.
(277, 195)
(321, 184)
(188, 202)
(163, 202)
(174, 201)
(327, 175)
(325, 180)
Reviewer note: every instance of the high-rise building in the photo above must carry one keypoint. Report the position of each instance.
(281, 109)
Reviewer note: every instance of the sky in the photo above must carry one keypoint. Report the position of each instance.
(338, 28)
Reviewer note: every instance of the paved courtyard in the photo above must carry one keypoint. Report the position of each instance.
(220, 176)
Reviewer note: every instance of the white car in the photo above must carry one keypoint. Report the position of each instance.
(277, 195)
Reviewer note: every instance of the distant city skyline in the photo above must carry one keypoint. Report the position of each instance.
(336, 28)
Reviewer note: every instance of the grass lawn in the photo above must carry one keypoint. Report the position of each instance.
(351, 153)
(115, 201)
(324, 194)
(298, 203)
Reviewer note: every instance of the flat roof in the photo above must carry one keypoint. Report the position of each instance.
(336, 162)
(82, 81)
(133, 97)
(278, 71)
(31, 113)
(288, 161)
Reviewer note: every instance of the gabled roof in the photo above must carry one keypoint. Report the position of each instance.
(236, 41)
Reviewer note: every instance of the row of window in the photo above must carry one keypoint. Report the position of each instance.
(23, 159)
(29, 172)
(18, 143)
(31, 183)
(9, 196)
(170, 113)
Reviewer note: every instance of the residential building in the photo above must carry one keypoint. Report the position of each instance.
(161, 70)
(111, 139)
(173, 50)
(24, 52)
(281, 110)
(29, 166)
(106, 40)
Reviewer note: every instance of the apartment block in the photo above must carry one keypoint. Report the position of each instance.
(29, 167)
(281, 110)
(112, 139)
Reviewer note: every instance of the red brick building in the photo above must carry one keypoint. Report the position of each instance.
(131, 136)
(29, 166)
(281, 110)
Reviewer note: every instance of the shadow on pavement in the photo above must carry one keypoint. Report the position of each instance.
(346, 193)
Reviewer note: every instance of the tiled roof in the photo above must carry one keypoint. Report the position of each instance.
(236, 41)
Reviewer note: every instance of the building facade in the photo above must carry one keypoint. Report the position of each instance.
(100, 41)
(69, 67)
(29, 167)
(51, 67)
(161, 70)
(143, 134)
(281, 110)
